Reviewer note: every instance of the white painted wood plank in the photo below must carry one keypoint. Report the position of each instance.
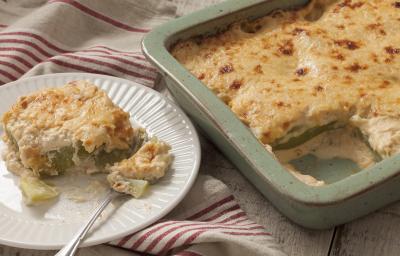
(293, 239)
(375, 234)
(188, 6)
(99, 250)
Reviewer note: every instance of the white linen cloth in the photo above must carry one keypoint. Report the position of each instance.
(103, 36)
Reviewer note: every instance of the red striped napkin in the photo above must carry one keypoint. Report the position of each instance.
(97, 36)
(208, 221)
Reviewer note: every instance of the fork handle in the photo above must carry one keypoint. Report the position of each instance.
(70, 248)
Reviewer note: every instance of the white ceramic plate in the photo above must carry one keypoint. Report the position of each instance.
(51, 225)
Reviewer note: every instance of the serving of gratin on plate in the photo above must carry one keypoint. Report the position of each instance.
(322, 80)
(77, 128)
(69, 138)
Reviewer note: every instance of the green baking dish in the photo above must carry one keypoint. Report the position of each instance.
(347, 196)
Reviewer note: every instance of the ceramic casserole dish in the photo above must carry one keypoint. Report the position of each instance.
(346, 196)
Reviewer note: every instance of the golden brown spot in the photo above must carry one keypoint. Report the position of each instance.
(236, 84)
(348, 79)
(348, 44)
(362, 94)
(266, 134)
(24, 103)
(226, 69)
(302, 71)
(321, 31)
(384, 84)
(298, 31)
(108, 129)
(374, 57)
(349, 4)
(355, 67)
(285, 125)
(296, 80)
(258, 69)
(337, 55)
(341, 27)
(287, 48)
(264, 58)
(201, 76)
(280, 104)
(390, 50)
(319, 88)
(377, 27)
(335, 67)
(388, 60)
(293, 17)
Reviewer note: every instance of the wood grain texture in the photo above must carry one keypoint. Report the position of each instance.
(98, 250)
(187, 6)
(294, 240)
(375, 234)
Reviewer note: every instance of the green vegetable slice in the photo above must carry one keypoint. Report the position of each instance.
(103, 158)
(61, 159)
(307, 135)
(35, 190)
(136, 188)
(140, 139)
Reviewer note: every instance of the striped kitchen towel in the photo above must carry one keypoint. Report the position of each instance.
(208, 221)
(103, 36)
(39, 37)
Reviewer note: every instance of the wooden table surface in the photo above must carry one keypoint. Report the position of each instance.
(375, 234)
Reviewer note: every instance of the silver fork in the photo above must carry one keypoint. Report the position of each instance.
(70, 248)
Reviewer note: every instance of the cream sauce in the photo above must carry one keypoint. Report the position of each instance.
(383, 133)
(341, 143)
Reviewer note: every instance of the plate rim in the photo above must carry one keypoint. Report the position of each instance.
(174, 202)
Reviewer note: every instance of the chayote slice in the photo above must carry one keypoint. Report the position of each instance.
(35, 190)
(61, 159)
(140, 139)
(307, 135)
(133, 187)
(136, 188)
(103, 158)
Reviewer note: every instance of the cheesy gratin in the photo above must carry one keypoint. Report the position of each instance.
(294, 75)
(75, 128)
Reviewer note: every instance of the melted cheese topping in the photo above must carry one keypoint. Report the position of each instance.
(48, 130)
(304, 68)
(150, 162)
(58, 117)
